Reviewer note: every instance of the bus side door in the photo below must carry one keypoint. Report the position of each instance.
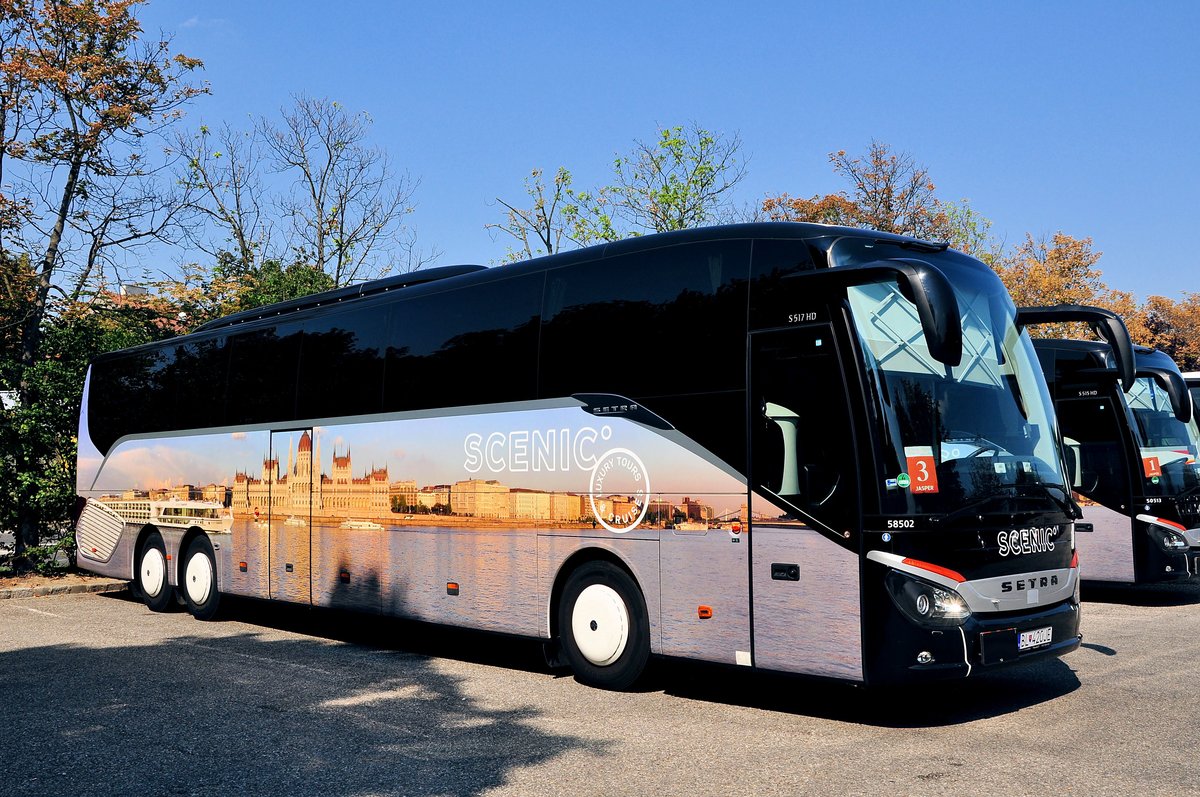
(804, 506)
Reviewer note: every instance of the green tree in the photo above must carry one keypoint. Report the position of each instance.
(540, 228)
(684, 179)
(38, 435)
(83, 94)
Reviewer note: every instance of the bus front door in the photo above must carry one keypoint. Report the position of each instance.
(803, 506)
(290, 515)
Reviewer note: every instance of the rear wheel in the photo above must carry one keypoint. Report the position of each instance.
(157, 594)
(200, 579)
(603, 624)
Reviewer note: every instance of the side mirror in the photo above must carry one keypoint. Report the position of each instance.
(1176, 388)
(921, 283)
(1105, 323)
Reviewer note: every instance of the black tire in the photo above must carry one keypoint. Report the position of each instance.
(198, 579)
(151, 578)
(601, 653)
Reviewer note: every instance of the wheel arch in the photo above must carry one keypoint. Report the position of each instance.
(574, 562)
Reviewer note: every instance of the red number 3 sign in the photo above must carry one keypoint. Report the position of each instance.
(922, 469)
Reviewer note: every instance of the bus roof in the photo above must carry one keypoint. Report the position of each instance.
(468, 274)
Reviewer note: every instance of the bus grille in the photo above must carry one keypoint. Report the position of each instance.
(98, 531)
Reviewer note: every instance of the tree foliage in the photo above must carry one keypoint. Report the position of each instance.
(685, 178)
(84, 93)
(1063, 270)
(347, 206)
(889, 191)
(543, 226)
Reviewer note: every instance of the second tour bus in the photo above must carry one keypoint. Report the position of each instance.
(794, 447)
(1132, 448)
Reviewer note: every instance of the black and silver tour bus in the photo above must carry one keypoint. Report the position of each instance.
(794, 447)
(1131, 444)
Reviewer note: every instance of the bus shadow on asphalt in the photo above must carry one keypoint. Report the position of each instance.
(982, 696)
(991, 694)
(244, 713)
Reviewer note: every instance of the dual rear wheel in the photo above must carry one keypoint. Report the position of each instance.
(198, 586)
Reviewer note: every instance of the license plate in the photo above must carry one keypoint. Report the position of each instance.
(1036, 638)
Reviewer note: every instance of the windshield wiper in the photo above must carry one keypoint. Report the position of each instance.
(1066, 503)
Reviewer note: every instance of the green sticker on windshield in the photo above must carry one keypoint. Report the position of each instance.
(903, 481)
(1154, 480)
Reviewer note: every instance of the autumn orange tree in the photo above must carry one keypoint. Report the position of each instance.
(1062, 270)
(889, 191)
(84, 94)
(1174, 327)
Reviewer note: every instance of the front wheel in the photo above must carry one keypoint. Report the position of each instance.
(604, 628)
(152, 582)
(200, 579)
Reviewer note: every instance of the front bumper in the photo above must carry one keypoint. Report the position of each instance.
(985, 643)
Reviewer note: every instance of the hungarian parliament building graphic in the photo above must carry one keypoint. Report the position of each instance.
(288, 492)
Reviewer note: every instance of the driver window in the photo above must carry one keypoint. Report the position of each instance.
(802, 448)
(1094, 450)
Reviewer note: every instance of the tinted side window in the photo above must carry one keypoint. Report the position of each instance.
(474, 345)
(663, 322)
(802, 445)
(262, 375)
(129, 395)
(341, 364)
(1095, 454)
(772, 301)
(198, 383)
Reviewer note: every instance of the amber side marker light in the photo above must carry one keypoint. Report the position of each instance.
(704, 612)
(451, 587)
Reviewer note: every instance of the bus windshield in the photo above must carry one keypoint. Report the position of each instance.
(962, 436)
(1167, 447)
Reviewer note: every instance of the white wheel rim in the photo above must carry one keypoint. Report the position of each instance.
(153, 572)
(600, 624)
(198, 578)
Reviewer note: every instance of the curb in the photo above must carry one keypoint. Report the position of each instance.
(62, 589)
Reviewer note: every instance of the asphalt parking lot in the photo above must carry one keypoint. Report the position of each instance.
(105, 697)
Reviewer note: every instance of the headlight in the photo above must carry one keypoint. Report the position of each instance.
(1169, 541)
(926, 604)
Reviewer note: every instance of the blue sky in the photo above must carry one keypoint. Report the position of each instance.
(1071, 116)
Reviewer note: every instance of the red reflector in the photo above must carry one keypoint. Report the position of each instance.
(168, 557)
(941, 571)
(93, 550)
(1172, 524)
(737, 528)
(1075, 559)
(704, 612)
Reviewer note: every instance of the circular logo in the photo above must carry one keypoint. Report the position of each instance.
(619, 490)
(902, 481)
